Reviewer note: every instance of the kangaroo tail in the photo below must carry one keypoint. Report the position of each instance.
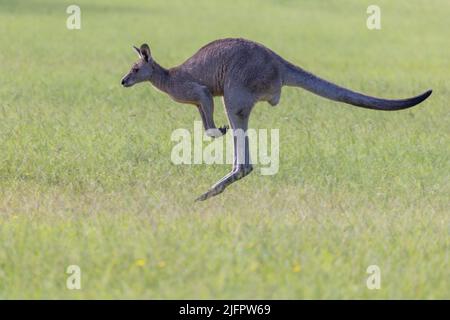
(297, 77)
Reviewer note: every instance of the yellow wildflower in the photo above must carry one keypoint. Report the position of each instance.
(140, 262)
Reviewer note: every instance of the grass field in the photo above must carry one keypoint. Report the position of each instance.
(86, 177)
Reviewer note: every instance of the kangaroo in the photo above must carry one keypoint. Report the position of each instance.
(243, 72)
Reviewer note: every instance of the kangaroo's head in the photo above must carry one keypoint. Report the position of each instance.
(142, 69)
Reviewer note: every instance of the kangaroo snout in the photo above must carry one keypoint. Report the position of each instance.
(125, 82)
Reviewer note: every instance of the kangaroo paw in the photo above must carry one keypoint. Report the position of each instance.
(217, 132)
(224, 129)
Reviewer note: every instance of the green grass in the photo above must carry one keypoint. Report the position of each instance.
(86, 176)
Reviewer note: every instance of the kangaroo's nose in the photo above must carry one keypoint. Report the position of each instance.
(122, 82)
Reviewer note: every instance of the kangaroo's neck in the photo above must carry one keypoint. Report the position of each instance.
(160, 78)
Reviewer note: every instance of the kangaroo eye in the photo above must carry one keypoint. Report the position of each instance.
(135, 70)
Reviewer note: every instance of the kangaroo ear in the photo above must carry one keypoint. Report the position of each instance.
(138, 51)
(145, 52)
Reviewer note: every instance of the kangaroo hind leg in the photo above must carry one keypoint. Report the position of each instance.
(238, 117)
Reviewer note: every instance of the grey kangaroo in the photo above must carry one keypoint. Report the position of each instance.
(243, 72)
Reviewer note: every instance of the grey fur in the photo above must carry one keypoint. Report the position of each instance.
(243, 72)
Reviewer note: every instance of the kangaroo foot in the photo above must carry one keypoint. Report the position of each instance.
(214, 191)
(238, 173)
